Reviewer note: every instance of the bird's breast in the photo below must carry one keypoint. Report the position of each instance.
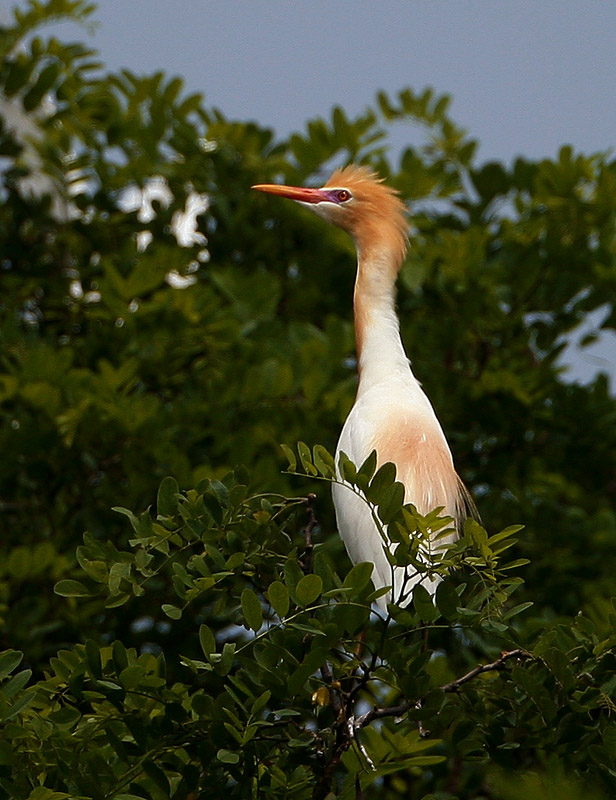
(406, 432)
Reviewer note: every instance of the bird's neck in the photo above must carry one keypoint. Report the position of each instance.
(380, 352)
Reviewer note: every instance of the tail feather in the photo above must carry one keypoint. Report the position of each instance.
(465, 506)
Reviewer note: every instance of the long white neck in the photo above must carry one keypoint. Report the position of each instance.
(380, 352)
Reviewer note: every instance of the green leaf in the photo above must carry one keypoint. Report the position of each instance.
(42, 793)
(491, 180)
(20, 705)
(260, 702)
(227, 756)
(306, 459)
(9, 660)
(134, 521)
(313, 660)
(93, 660)
(173, 612)
(368, 467)
(476, 532)
(391, 502)
(504, 534)
(119, 655)
(65, 717)
(308, 589)
(290, 456)
(117, 600)
(70, 588)
(226, 659)
(278, 596)
(422, 600)
(359, 576)
(323, 568)
(207, 641)
(382, 480)
(512, 612)
(560, 664)
(519, 562)
(299, 626)
(16, 684)
(292, 575)
(34, 95)
(167, 498)
(131, 677)
(447, 600)
(252, 610)
(323, 461)
(347, 469)
(158, 776)
(18, 74)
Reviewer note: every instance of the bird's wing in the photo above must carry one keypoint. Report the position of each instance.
(417, 446)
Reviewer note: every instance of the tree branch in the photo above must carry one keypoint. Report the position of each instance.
(307, 533)
(481, 668)
(454, 686)
(348, 726)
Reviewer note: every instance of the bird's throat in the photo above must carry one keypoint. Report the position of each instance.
(380, 352)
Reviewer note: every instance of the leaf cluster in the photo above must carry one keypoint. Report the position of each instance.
(292, 685)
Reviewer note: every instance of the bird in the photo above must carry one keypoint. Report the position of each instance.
(392, 414)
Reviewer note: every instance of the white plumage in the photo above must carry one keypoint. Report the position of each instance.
(391, 414)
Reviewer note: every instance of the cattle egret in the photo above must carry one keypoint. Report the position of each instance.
(391, 414)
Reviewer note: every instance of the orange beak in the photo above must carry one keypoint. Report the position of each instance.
(298, 193)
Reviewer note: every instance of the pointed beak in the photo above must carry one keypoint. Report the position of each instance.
(299, 193)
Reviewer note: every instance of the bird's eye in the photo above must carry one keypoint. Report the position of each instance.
(342, 196)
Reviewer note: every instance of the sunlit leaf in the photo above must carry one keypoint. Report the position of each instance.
(290, 456)
(173, 612)
(71, 588)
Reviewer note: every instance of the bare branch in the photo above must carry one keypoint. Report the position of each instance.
(481, 668)
(348, 726)
(454, 686)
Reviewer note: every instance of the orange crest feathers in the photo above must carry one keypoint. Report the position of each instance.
(378, 213)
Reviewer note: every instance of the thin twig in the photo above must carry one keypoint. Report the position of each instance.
(351, 731)
(348, 726)
(454, 686)
(307, 533)
(328, 677)
(481, 668)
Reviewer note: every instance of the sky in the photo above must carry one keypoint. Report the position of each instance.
(526, 76)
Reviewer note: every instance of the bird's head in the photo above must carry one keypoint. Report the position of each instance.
(356, 200)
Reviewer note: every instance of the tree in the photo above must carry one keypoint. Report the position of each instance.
(222, 642)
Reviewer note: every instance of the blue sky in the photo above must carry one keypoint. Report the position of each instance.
(526, 76)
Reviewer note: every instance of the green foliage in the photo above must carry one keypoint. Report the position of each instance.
(277, 694)
(223, 643)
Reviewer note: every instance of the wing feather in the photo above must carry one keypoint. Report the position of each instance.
(417, 446)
